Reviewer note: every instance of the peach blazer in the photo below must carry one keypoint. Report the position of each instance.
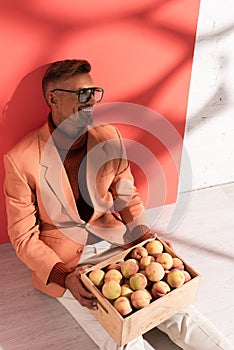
(44, 226)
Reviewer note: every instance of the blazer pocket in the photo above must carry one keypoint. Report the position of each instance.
(51, 237)
(67, 250)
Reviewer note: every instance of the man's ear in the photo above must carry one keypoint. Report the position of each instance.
(51, 98)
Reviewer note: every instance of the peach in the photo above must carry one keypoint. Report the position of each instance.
(129, 267)
(138, 253)
(159, 289)
(146, 260)
(148, 281)
(187, 276)
(114, 266)
(97, 277)
(154, 271)
(165, 259)
(113, 274)
(123, 305)
(154, 247)
(175, 278)
(126, 290)
(140, 298)
(111, 290)
(138, 281)
(178, 264)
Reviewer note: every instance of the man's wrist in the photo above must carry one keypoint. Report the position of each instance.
(59, 274)
(139, 233)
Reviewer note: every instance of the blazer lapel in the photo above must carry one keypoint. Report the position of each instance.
(53, 177)
(96, 158)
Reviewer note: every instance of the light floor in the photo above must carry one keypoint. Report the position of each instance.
(204, 238)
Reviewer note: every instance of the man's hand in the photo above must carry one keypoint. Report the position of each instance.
(148, 235)
(170, 245)
(74, 284)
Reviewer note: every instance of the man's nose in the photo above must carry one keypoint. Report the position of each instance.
(92, 100)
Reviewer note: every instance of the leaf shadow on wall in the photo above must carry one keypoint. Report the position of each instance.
(27, 109)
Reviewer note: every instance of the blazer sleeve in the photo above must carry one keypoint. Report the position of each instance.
(23, 226)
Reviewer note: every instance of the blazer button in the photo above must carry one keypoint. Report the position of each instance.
(79, 251)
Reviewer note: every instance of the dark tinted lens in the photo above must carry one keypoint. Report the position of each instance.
(98, 94)
(84, 95)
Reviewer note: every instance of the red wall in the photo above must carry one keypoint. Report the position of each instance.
(141, 52)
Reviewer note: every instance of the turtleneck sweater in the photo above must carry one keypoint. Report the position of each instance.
(72, 153)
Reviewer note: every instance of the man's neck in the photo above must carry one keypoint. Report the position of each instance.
(61, 139)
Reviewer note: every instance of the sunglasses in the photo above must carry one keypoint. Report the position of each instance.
(85, 94)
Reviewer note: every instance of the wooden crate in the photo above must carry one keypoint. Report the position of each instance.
(124, 329)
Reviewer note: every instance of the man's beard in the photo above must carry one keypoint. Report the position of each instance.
(75, 125)
(86, 116)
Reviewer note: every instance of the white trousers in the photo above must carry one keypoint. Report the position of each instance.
(189, 329)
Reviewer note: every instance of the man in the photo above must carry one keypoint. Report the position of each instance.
(71, 201)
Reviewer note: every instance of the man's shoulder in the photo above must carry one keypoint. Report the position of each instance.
(25, 143)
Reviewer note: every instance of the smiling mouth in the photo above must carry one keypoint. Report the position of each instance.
(85, 109)
(85, 115)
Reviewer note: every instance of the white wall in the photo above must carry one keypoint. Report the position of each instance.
(209, 135)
